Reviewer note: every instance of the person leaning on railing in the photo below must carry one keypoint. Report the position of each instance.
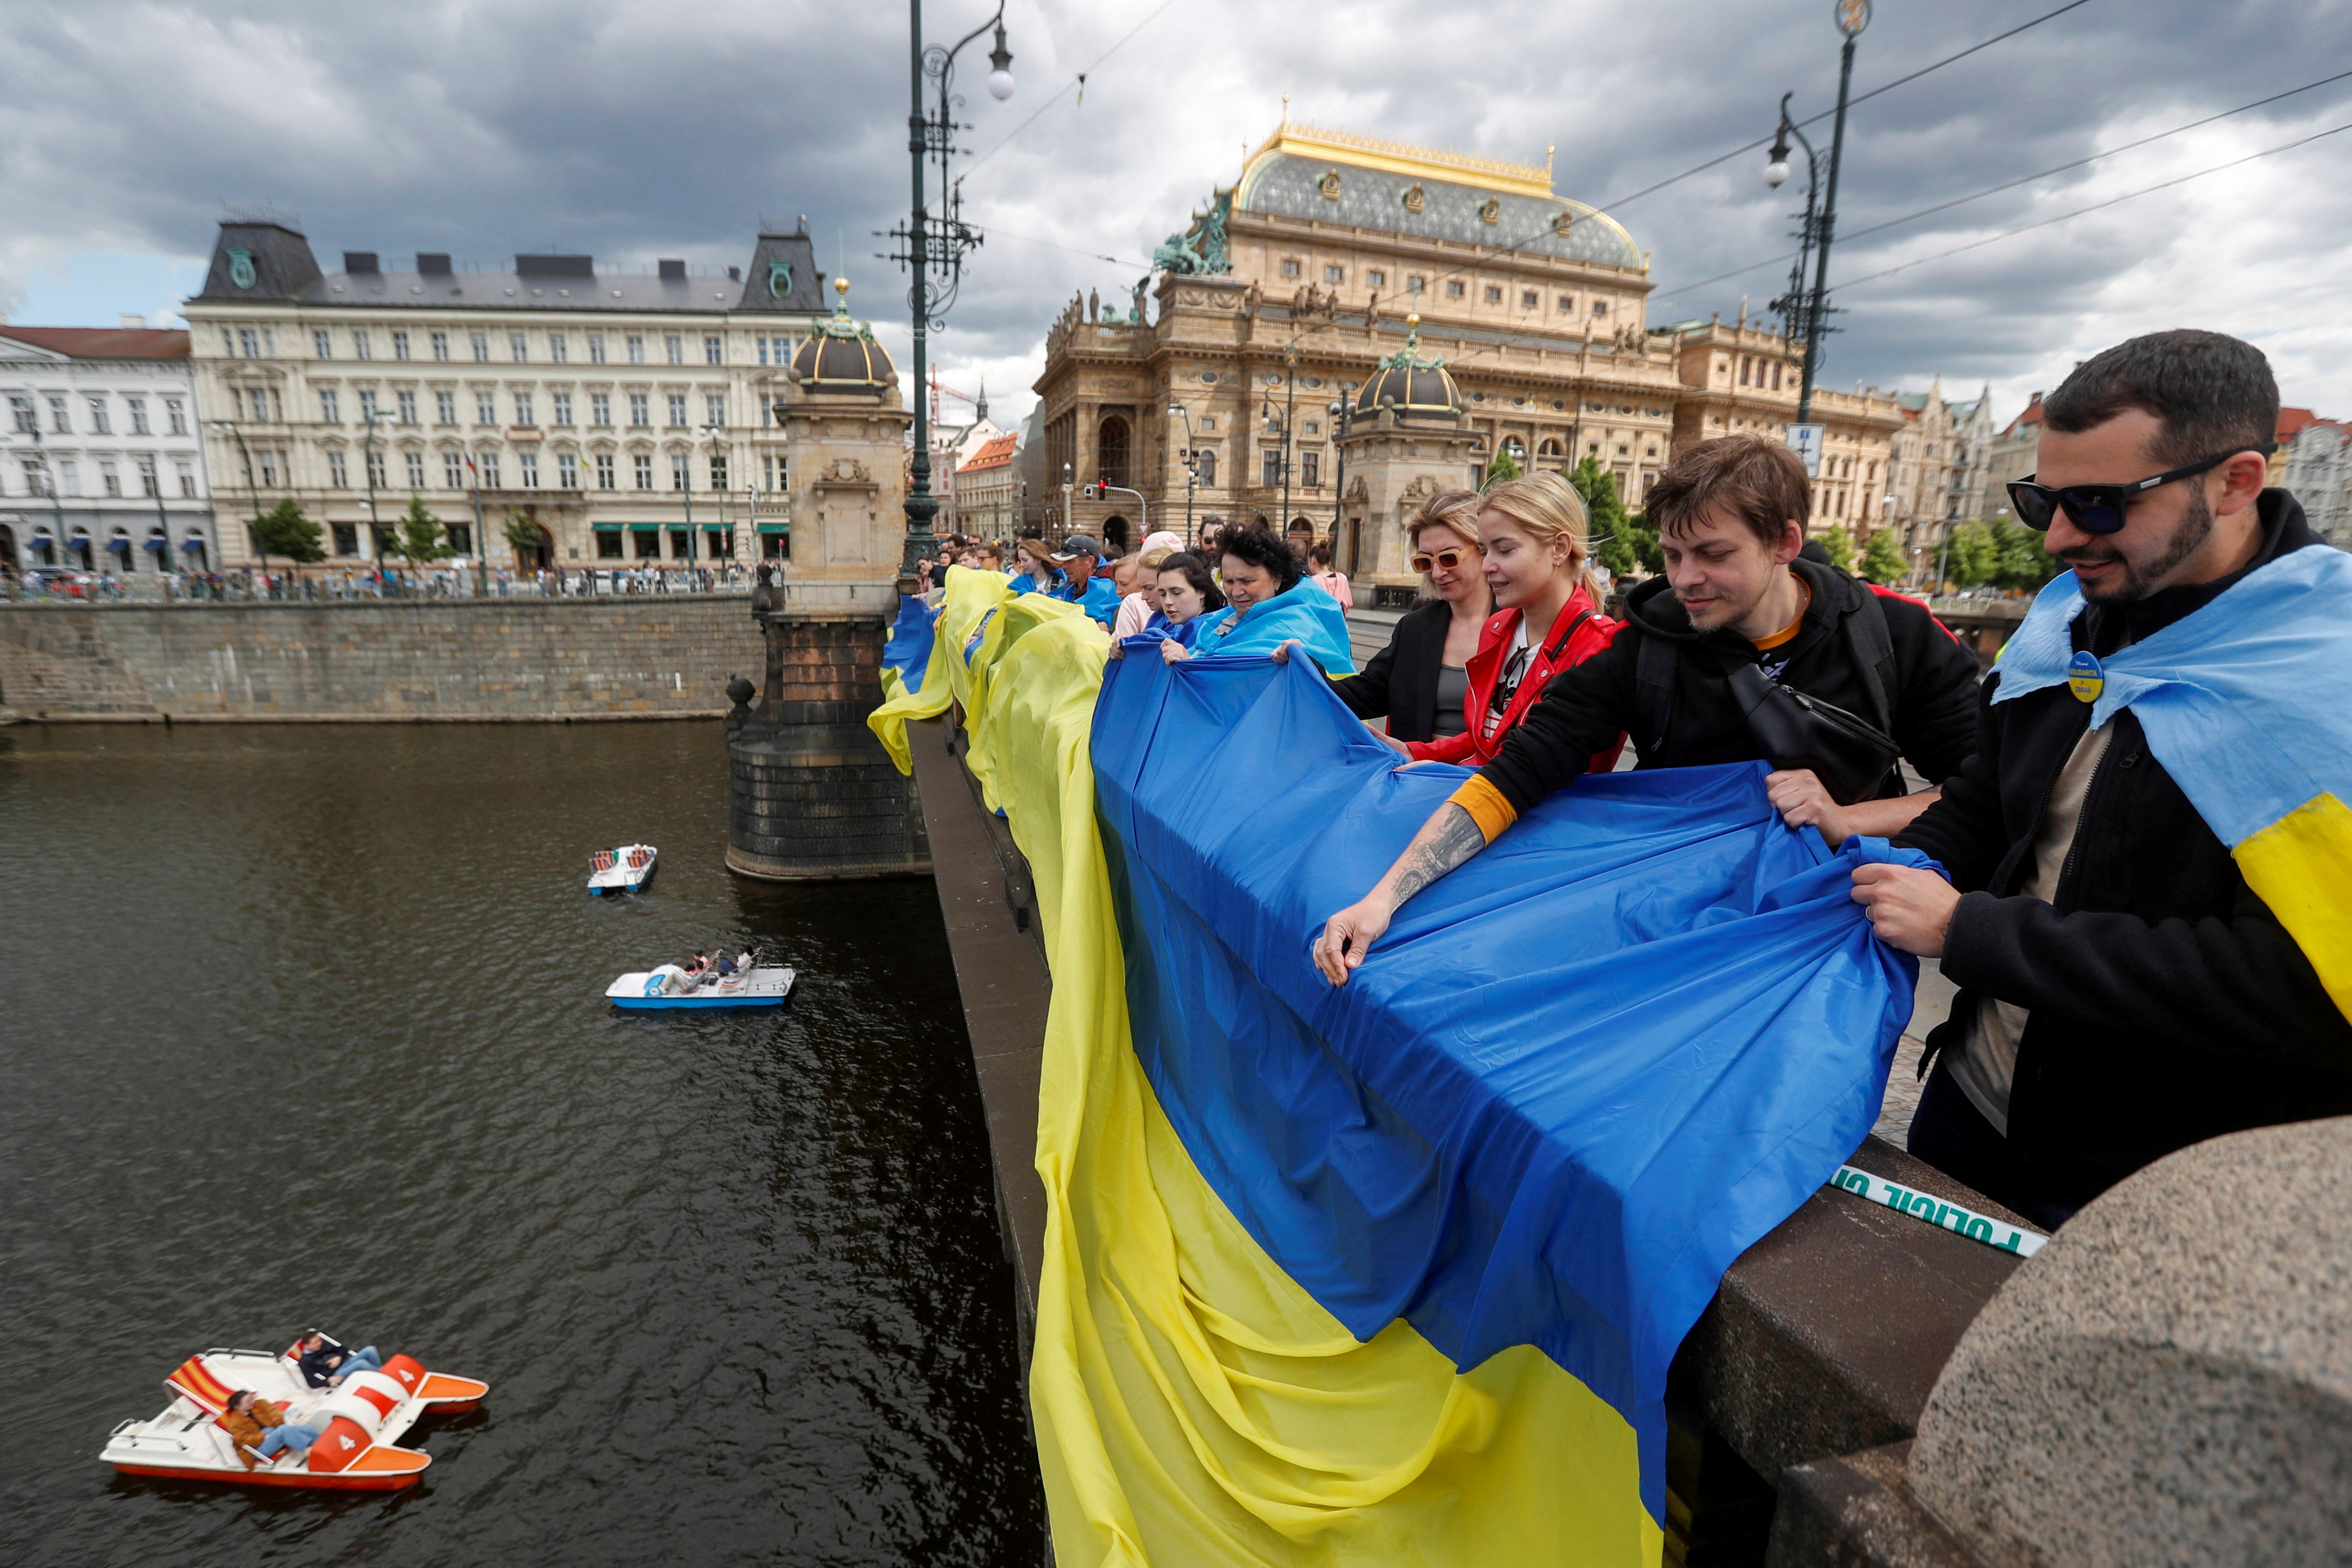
(1420, 681)
(1735, 597)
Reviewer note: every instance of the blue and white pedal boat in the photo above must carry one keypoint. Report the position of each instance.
(622, 871)
(669, 987)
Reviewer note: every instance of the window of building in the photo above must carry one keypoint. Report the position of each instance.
(323, 343)
(1744, 363)
(519, 348)
(636, 348)
(175, 417)
(1208, 466)
(1776, 378)
(21, 415)
(640, 409)
(714, 351)
(529, 463)
(259, 398)
(339, 475)
(186, 474)
(676, 348)
(1567, 303)
(98, 425)
(595, 348)
(481, 347)
(416, 461)
(374, 471)
(525, 413)
(1494, 295)
(453, 471)
(148, 485)
(486, 409)
(1529, 300)
(644, 470)
(247, 340)
(109, 478)
(361, 347)
(1376, 279)
(441, 346)
(407, 401)
(1270, 468)
(567, 471)
(608, 545)
(718, 472)
(69, 476)
(1335, 275)
(138, 407)
(1310, 469)
(681, 471)
(347, 538)
(488, 464)
(59, 424)
(1600, 307)
(599, 408)
(770, 472)
(445, 407)
(647, 542)
(563, 408)
(1289, 266)
(1453, 287)
(604, 480)
(367, 407)
(400, 345)
(714, 407)
(330, 409)
(677, 410)
(1416, 284)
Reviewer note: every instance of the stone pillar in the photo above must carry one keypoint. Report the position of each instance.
(812, 794)
(1394, 465)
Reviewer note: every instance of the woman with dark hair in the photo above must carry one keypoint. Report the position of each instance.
(1328, 578)
(1187, 593)
(1271, 603)
(1420, 681)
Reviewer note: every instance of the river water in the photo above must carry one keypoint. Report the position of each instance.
(304, 1025)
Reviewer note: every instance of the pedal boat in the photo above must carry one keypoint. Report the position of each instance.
(624, 870)
(668, 988)
(365, 1416)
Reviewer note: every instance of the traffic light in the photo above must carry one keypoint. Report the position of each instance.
(1091, 491)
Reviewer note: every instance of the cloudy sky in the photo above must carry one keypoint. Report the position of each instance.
(637, 131)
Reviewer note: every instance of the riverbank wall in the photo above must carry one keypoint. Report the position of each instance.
(382, 661)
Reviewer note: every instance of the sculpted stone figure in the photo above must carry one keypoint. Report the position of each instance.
(764, 596)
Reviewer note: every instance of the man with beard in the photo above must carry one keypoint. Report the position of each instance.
(2124, 989)
(1739, 598)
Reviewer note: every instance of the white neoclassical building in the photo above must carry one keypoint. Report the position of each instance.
(575, 413)
(104, 468)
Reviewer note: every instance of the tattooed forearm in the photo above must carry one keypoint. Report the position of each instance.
(1450, 837)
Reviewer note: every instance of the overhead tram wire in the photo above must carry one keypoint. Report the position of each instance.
(2009, 184)
(1124, 39)
(2098, 207)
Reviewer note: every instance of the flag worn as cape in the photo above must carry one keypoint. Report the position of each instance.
(1303, 611)
(2244, 703)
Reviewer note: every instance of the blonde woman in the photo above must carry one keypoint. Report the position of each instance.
(1421, 680)
(1537, 562)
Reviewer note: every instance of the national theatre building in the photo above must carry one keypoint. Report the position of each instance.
(1448, 307)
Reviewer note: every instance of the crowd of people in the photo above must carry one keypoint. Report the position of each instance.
(2123, 991)
(255, 583)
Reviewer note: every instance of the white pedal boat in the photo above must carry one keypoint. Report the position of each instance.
(364, 1418)
(624, 870)
(669, 987)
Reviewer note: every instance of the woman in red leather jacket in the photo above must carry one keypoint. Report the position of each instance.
(1539, 562)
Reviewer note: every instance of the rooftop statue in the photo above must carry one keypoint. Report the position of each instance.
(1202, 248)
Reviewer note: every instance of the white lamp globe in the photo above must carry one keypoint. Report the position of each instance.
(999, 85)
(1775, 172)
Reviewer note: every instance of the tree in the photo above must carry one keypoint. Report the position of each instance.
(1882, 558)
(284, 531)
(1624, 543)
(420, 540)
(2019, 562)
(523, 534)
(1504, 466)
(1839, 545)
(1971, 559)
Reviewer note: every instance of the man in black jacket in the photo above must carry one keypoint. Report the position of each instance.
(1735, 592)
(2123, 992)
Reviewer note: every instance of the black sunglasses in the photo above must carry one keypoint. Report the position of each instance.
(2100, 508)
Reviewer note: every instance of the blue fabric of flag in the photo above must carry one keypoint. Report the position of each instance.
(1302, 611)
(908, 651)
(1574, 1080)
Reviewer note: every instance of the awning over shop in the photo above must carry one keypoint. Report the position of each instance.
(118, 544)
(606, 527)
(193, 542)
(645, 528)
(775, 528)
(158, 544)
(717, 527)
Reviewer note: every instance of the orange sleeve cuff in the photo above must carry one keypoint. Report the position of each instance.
(1486, 806)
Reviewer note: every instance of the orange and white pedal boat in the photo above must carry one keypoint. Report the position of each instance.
(364, 1418)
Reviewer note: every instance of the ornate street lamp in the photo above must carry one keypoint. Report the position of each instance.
(934, 248)
(1804, 312)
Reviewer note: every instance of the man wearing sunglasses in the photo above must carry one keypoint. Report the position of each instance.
(2125, 990)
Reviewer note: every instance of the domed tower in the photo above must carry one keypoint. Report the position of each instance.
(1405, 441)
(846, 429)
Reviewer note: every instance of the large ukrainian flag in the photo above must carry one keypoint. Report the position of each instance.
(1392, 1273)
(2245, 703)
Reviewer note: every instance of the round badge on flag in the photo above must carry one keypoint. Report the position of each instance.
(2084, 677)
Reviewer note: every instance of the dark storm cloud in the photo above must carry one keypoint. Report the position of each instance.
(634, 131)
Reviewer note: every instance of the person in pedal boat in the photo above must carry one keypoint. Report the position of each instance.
(258, 1426)
(325, 1363)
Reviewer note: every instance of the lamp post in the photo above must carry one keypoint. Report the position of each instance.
(367, 461)
(935, 248)
(1800, 310)
(251, 489)
(1289, 429)
(48, 476)
(1192, 466)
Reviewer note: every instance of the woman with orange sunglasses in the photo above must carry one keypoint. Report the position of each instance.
(1420, 682)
